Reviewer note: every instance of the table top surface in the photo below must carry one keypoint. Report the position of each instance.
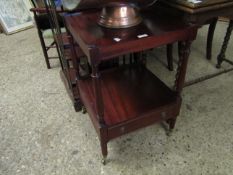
(155, 30)
(198, 3)
(199, 6)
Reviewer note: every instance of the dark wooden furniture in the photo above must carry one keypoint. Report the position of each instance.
(222, 55)
(212, 25)
(69, 56)
(51, 17)
(43, 24)
(128, 97)
(200, 14)
(202, 6)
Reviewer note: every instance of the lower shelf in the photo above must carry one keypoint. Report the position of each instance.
(130, 94)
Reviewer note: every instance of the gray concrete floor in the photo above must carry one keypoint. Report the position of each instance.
(40, 133)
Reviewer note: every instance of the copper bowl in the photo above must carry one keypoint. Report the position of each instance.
(119, 15)
(71, 5)
(115, 13)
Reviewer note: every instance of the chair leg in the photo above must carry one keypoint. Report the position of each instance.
(221, 56)
(210, 38)
(44, 49)
(170, 57)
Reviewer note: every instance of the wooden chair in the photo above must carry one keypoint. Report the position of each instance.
(222, 55)
(69, 52)
(44, 30)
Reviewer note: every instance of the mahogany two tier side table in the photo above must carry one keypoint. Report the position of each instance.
(128, 97)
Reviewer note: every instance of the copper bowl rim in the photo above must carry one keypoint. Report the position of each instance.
(121, 4)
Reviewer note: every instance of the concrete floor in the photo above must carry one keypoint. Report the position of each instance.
(41, 134)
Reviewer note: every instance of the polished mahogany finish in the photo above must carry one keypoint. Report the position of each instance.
(129, 97)
(130, 94)
(100, 43)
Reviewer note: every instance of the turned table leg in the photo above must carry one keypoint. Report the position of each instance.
(210, 38)
(100, 111)
(184, 52)
(221, 56)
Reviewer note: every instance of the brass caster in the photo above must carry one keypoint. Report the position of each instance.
(103, 161)
(84, 110)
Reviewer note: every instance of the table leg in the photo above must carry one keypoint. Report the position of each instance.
(210, 38)
(170, 57)
(171, 122)
(100, 110)
(184, 52)
(98, 93)
(221, 56)
(103, 144)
